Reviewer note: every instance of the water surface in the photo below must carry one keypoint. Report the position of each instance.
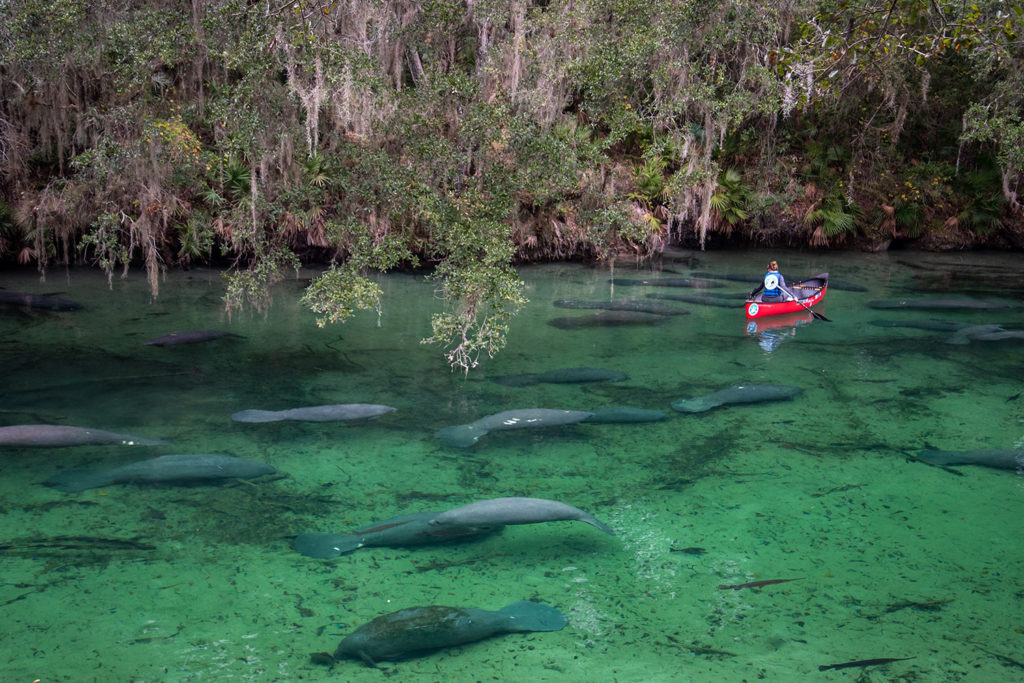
(894, 558)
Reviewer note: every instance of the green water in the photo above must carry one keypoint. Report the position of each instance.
(893, 558)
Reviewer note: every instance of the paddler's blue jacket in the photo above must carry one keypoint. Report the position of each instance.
(773, 284)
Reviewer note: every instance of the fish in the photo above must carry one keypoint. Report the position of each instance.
(929, 304)
(190, 337)
(326, 413)
(624, 415)
(719, 300)
(504, 511)
(417, 630)
(199, 468)
(754, 584)
(46, 435)
(37, 301)
(863, 662)
(608, 319)
(743, 393)
(401, 531)
(468, 434)
(696, 283)
(562, 376)
(1007, 459)
(625, 305)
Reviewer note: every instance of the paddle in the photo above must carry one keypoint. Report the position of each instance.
(817, 315)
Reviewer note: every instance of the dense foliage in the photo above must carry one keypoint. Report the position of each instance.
(469, 135)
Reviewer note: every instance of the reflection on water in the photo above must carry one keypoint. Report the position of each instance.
(897, 556)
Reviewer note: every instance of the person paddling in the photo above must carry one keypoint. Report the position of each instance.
(774, 286)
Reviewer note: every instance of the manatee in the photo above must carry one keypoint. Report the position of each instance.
(832, 284)
(670, 282)
(202, 468)
(190, 337)
(999, 459)
(623, 415)
(928, 304)
(719, 300)
(563, 376)
(63, 435)
(503, 511)
(37, 301)
(608, 319)
(625, 305)
(985, 333)
(744, 393)
(925, 324)
(417, 630)
(328, 413)
(465, 435)
(401, 531)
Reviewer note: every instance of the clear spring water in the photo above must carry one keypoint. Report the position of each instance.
(893, 558)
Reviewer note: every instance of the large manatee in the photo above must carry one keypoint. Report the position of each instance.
(327, 413)
(37, 301)
(502, 511)
(401, 531)
(418, 630)
(625, 305)
(465, 435)
(930, 304)
(608, 319)
(563, 376)
(197, 468)
(743, 393)
(190, 337)
(64, 435)
(1012, 459)
(719, 300)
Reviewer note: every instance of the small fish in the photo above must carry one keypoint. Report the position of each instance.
(863, 662)
(755, 584)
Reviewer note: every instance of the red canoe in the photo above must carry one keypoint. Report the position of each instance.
(810, 292)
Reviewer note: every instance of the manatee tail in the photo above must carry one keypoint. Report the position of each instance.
(461, 436)
(533, 616)
(73, 481)
(326, 546)
(256, 416)
(132, 440)
(592, 521)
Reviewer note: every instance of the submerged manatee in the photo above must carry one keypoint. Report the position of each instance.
(465, 435)
(417, 630)
(624, 415)
(744, 393)
(670, 282)
(985, 333)
(63, 435)
(608, 319)
(37, 301)
(200, 468)
(998, 459)
(190, 337)
(328, 413)
(504, 511)
(626, 305)
(925, 324)
(929, 304)
(401, 531)
(563, 376)
(719, 300)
